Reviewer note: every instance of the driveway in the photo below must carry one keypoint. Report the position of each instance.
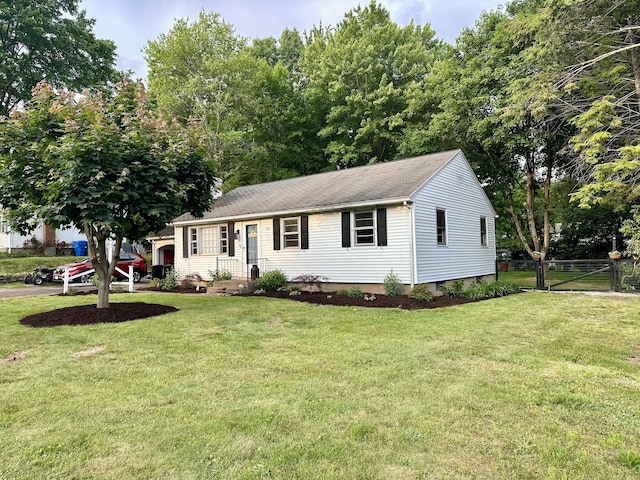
(36, 291)
(30, 291)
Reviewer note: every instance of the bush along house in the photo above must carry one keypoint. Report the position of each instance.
(426, 219)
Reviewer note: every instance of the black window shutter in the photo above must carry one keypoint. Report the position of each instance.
(276, 234)
(185, 242)
(346, 229)
(304, 232)
(382, 226)
(231, 239)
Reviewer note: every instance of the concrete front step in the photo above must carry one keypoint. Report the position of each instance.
(231, 287)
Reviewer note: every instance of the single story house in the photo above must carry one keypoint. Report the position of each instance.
(427, 219)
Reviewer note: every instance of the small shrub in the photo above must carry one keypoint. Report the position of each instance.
(155, 283)
(392, 285)
(421, 292)
(369, 298)
(72, 291)
(217, 275)
(310, 283)
(343, 291)
(272, 281)
(294, 293)
(456, 289)
(484, 289)
(171, 280)
(118, 289)
(354, 292)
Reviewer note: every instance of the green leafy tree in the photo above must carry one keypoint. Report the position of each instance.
(583, 233)
(362, 77)
(510, 131)
(105, 164)
(49, 40)
(248, 97)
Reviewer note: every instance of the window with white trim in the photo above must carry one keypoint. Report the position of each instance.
(209, 240)
(224, 239)
(483, 232)
(291, 232)
(441, 227)
(364, 228)
(193, 241)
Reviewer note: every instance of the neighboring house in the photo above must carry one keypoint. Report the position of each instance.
(11, 241)
(426, 219)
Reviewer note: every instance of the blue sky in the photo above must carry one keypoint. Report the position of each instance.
(131, 23)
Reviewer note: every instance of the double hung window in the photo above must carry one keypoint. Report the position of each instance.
(483, 232)
(441, 227)
(209, 240)
(291, 232)
(364, 228)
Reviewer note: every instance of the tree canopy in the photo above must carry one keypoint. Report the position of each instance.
(106, 164)
(49, 40)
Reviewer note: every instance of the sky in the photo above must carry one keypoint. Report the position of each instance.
(130, 24)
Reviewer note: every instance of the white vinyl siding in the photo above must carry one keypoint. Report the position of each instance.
(327, 257)
(455, 190)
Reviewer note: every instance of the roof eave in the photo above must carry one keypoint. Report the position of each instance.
(296, 211)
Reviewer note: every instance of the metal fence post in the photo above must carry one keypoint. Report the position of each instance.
(615, 275)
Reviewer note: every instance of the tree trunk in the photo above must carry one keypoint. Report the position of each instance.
(546, 242)
(516, 222)
(531, 195)
(103, 265)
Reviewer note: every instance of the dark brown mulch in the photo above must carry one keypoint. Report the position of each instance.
(88, 314)
(381, 301)
(177, 290)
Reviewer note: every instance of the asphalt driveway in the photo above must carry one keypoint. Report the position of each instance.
(40, 290)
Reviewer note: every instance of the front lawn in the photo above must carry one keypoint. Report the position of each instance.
(535, 385)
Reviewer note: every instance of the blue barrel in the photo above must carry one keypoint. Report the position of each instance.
(80, 248)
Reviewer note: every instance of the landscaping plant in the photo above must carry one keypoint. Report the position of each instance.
(392, 285)
(271, 281)
(421, 292)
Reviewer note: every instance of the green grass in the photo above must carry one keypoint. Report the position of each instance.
(24, 265)
(534, 385)
(527, 279)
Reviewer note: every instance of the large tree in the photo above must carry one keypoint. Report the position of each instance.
(246, 96)
(49, 40)
(364, 77)
(106, 164)
(490, 107)
(602, 93)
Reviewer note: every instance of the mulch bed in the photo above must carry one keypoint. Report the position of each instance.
(89, 314)
(381, 301)
(124, 312)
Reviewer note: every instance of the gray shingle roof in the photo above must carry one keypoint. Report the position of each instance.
(331, 190)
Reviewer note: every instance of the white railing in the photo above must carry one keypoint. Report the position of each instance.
(68, 279)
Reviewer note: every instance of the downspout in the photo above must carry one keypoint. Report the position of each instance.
(412, 244)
